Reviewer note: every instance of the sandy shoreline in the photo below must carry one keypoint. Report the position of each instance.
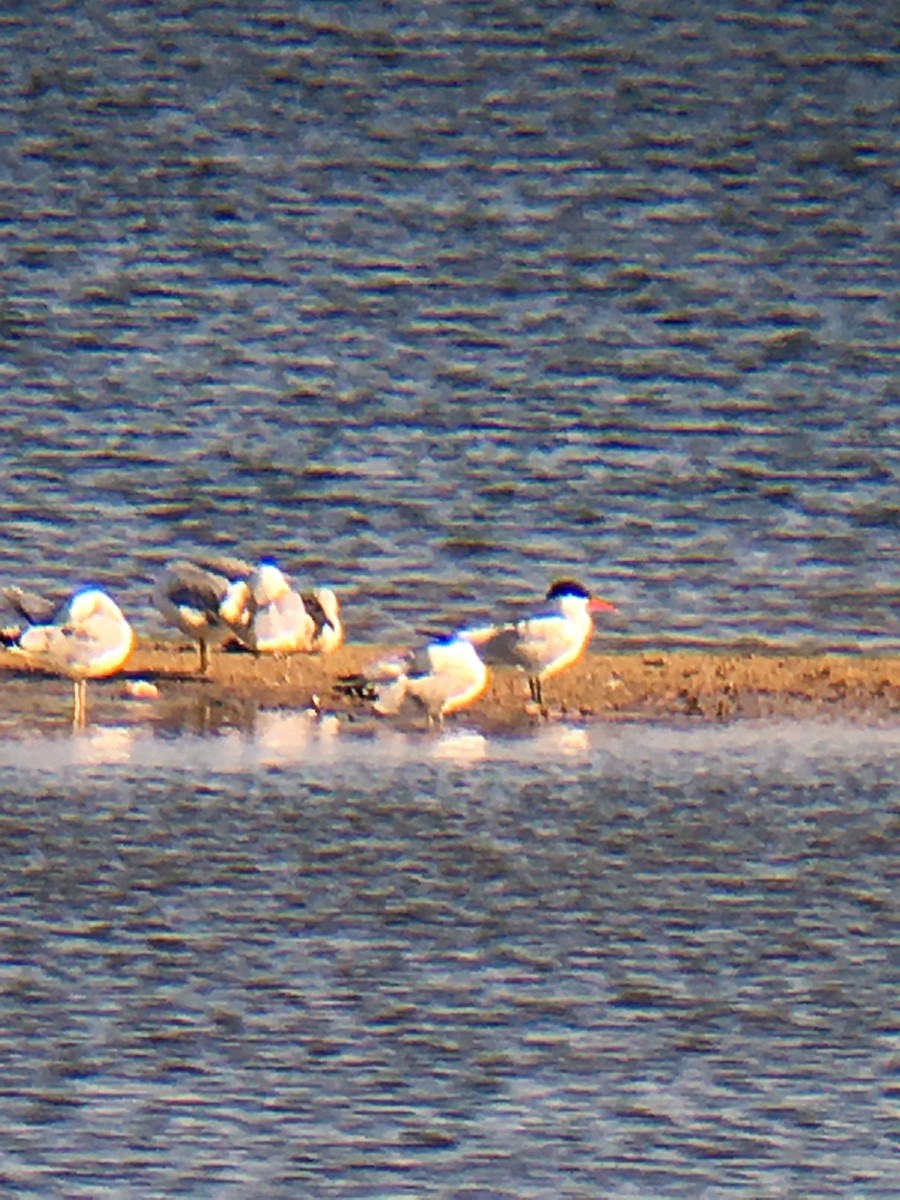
(702, 685)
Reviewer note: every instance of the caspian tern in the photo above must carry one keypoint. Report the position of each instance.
(87, 638)
(548, 642)
(268, 616)
(440, 678)
(188, 594)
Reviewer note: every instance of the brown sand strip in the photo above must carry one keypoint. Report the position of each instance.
(711, 685)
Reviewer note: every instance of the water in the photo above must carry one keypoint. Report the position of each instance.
(619, 961)
(437, 303)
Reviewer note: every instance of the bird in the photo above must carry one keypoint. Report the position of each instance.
(439, 678)
(188, 594)
(88, 637)
(268, 616)
(322, 606)
(546, 643)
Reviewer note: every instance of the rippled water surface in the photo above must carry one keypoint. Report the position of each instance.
(617, 961)
(439, 301)
(436, 302)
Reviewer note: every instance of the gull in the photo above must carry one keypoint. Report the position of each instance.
(267, 615)
(439, 678)
(188, 594)
(87, 638)
(546, 643)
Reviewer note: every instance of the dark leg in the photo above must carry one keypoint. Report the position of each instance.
(204, 657)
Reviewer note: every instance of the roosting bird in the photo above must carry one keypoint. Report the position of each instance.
(87, 638)
(268, 616)
(188, 594)
(439, 678)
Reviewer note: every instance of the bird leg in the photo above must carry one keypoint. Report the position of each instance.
(79, 710)
(204, 657)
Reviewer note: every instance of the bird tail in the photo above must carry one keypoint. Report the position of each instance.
(357, 687)
(389, 700)
(479, 635)
(9, 637)
(385, 696)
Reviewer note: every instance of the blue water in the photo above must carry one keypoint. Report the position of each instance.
(436, 303)
(439, 303)
(623, 961)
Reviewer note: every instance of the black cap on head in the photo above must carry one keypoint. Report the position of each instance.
(567, 587)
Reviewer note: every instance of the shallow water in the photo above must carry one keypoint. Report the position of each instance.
(440, 302)
(619, 960)
(436, 302)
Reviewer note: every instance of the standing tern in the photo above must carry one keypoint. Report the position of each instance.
(188, 594)
(87, 638)
(548, 642)
(440, 678)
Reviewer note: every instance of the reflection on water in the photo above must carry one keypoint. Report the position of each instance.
(600, 960)
(289, 738)
(460, 748)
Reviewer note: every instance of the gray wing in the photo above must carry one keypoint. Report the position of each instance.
(531, 645)
(35, 609)
(190, 585)
(226, 565)
(417, 663)
(315, 611)
(503, 648)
